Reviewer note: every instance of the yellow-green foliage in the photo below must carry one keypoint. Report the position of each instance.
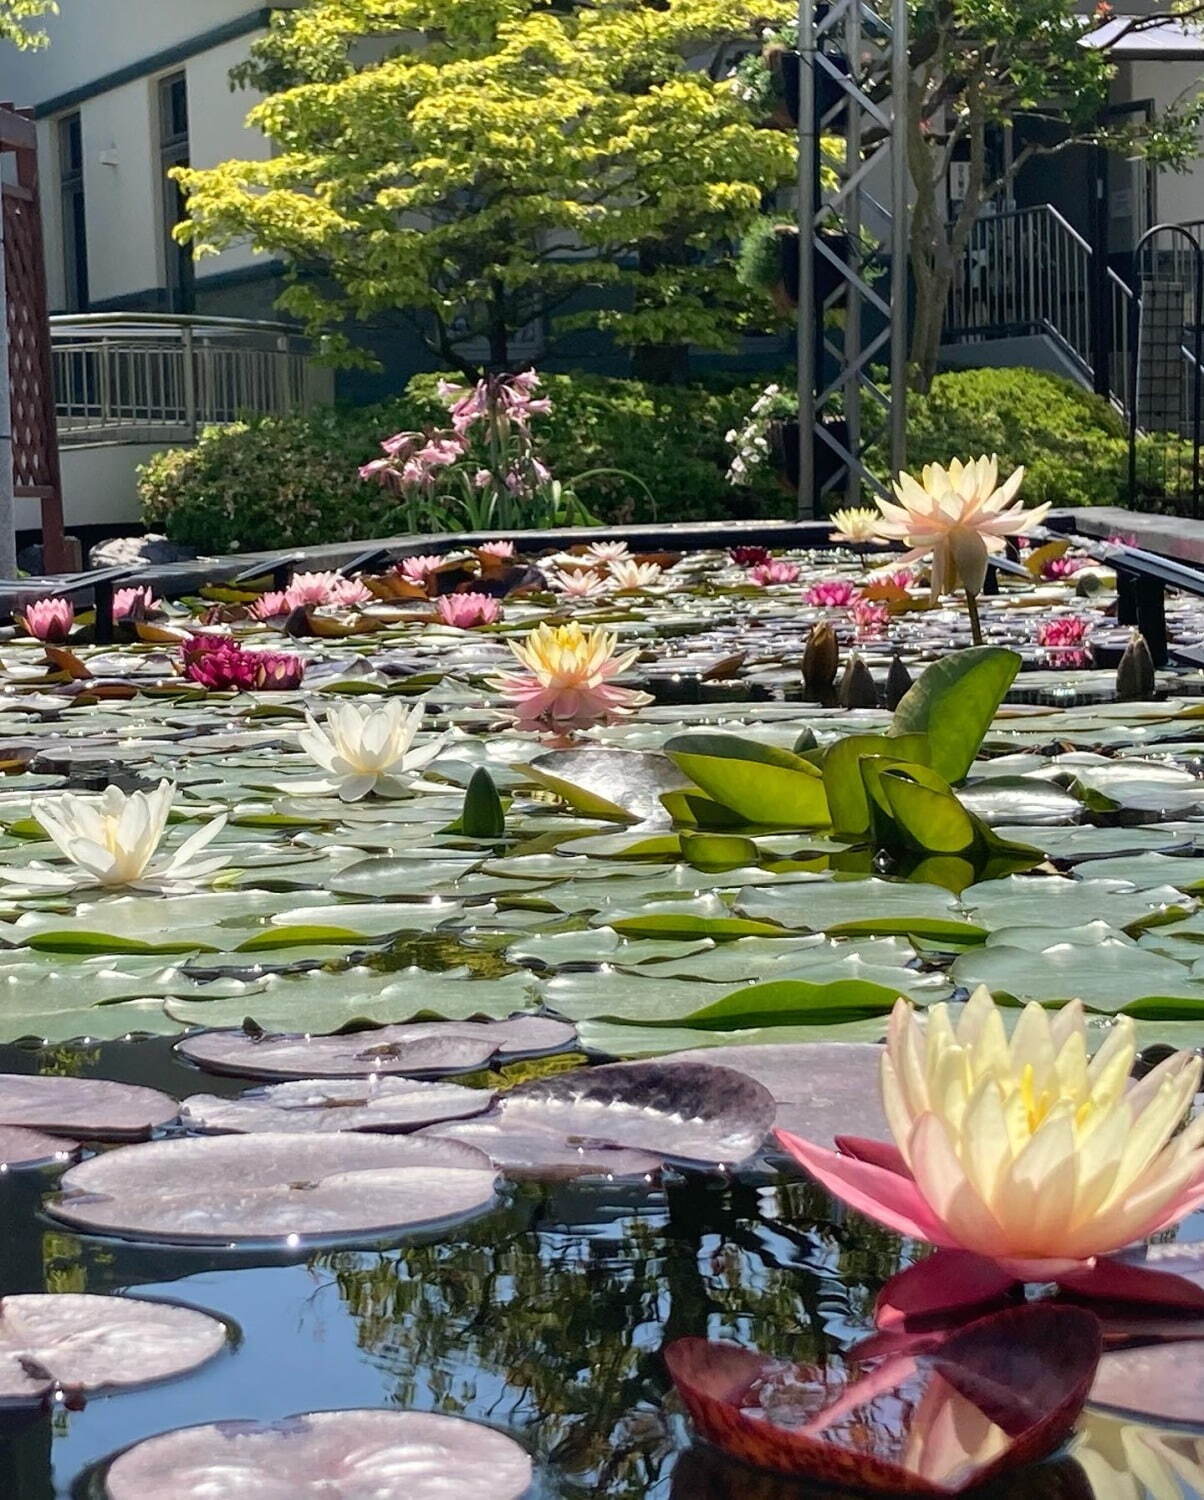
(437, 158)
(13, 17)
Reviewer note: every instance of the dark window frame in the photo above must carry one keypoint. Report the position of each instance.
(73, 211)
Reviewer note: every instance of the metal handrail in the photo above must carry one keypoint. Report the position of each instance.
(141, 377)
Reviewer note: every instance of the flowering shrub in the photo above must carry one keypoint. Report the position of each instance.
(751, 441)
(485, 465)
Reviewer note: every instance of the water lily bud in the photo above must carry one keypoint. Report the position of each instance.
(1089, 581)
(821, 658)
(483, 816)
(898, 680)
(857, 686)
(1135, 675)
(806, 741)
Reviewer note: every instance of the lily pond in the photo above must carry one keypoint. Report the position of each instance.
(399, 1028)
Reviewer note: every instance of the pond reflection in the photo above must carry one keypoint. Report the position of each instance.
(546, 1318)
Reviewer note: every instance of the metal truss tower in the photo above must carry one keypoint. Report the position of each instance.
(853, 245)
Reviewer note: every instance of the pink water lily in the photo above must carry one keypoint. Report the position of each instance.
(869, 619)
(127, 601)
(48, 619)
(567, 682)
(467, 610)
(316, 589)
(833, 593)
(219, 663)
(420, 569)
(1022, 1151)
(777, 570)
(1063, 630)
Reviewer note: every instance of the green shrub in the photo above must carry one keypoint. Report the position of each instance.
(1072, 443)
(279, 482)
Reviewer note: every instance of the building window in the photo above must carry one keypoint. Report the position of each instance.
(75, 226)
(173, 152)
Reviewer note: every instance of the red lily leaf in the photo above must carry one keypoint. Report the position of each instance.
(1167, 1276)
(1001, 1392)
(946, 1282)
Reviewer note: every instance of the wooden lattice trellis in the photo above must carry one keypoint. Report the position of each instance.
(34, 430)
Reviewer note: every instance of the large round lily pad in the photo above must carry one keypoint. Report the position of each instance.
(342, 1455)
(33, 1148)
(322, 1104)
(821, 1089)
(226, 1189)
(526, 1150)
(76, 1340)
(414, 1050)
(92, 1108)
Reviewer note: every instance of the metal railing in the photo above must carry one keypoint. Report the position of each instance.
(1024, 271)
(143, 377)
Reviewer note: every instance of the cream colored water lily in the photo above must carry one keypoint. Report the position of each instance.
(855, 524)
(1024, 1151)
(365, 750)
(960, 515)
(1127, 1460)
(111, 840)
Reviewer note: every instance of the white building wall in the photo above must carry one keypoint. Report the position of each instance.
(1180, 195)
(90, 40)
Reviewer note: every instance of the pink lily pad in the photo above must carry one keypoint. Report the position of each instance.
(296, 1188)
(420, 1049)
(33, 1148)
(999, 1393)
(822, 1089)
(377, 1103)
(91, 1343)
(1156, 1382)
(91, 1108)
(346, 1455)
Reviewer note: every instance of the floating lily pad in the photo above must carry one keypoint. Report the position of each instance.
(21, 1148)
(376, 1103)
(354, 1454)
(223, 1190)
(527, 1150)
(693, 1113)
(417, 1050)
(821, 1089)
(76, 1341)
(92, 1108)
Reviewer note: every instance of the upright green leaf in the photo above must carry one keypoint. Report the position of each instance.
(954, 702)
(843, 781)
(762, 783)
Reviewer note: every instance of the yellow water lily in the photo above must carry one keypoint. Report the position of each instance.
(567, 679)
(1025, 1150)
(856, 523)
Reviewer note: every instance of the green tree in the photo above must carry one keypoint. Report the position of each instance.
(474, 165)
(978, 65)
(14, 14)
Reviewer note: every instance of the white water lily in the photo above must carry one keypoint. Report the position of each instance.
(365, 750)
(627, 573)
(111, 840)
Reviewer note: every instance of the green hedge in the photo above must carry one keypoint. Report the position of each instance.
(278, 482)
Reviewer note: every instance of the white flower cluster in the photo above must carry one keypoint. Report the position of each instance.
(751, 441)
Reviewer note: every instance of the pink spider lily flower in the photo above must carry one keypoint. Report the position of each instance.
(869, 619)
(1024, 1152)
(48, 620)
(566, 684)
(578, 583)
(466, 610)
(777, 570)
(833, 593)
(127, 601)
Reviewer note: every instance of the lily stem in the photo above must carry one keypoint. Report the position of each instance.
(975, 622)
